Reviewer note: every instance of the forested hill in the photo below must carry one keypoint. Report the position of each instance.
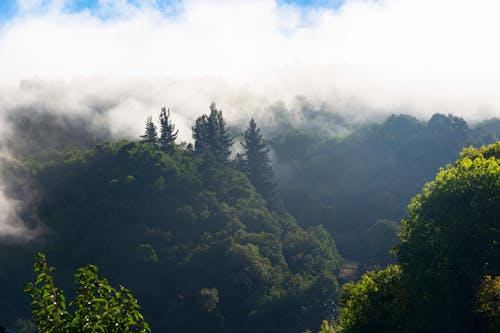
(358, 186)
(211, 241)
(180, 226)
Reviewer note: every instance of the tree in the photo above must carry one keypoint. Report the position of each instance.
(224, 139)
(200, 134)
(190, 251)
(327, 327)
(488, 303)
(377, 303)
(49, 310)
(449, 242)
(168, 134)
(150, 135)
(257, 165)
(99, 307)
(212, 137)
(447, 255)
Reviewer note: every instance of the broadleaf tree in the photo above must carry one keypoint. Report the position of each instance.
(98, 306)
(449, 241)
(448, 255)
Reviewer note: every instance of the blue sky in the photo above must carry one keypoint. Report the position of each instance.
(9, 8)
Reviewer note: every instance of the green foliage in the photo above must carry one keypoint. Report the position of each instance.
(488, 303)
(450, 240)
(311, 251)
(201, 249)
(327, 327)
(190, 235)
(209, 297)
(200, 258)
(212, 137)
(448, 243)
(98, 306)
(101, 308)
(49, 303)
(377, 303)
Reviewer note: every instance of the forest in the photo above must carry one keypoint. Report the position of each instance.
(390, 226)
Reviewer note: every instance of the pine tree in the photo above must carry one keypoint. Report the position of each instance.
(256, 164)
(200, 133)
(224, 140)
(212, 137)
(168, 134)
(150, 135)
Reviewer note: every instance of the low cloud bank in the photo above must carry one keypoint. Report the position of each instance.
(114, 64)
(424, 56)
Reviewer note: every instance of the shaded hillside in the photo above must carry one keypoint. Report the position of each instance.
(349, 184)
(188, 246)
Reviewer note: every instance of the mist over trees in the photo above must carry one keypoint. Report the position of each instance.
(346, 181)
(349, 184)
(212, 238)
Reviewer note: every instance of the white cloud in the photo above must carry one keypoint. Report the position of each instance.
(426, 55)
(28, 5)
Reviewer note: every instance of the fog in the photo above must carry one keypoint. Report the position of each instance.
(421, 56)
(118, 62)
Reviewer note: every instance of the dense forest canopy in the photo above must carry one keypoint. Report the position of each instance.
(209, 240)
(181, 227)
(447, 278)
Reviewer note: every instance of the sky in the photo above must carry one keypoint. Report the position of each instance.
(9, 8)
(390, 56)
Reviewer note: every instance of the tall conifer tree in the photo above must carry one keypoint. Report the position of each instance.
(224, 140)
(168, 134)
(257, 165)
(212, 137)
(200, 133)
(150, 135)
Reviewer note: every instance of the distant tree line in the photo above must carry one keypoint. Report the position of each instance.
(358, 185)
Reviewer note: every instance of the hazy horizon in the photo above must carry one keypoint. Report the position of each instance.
(356, 57)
